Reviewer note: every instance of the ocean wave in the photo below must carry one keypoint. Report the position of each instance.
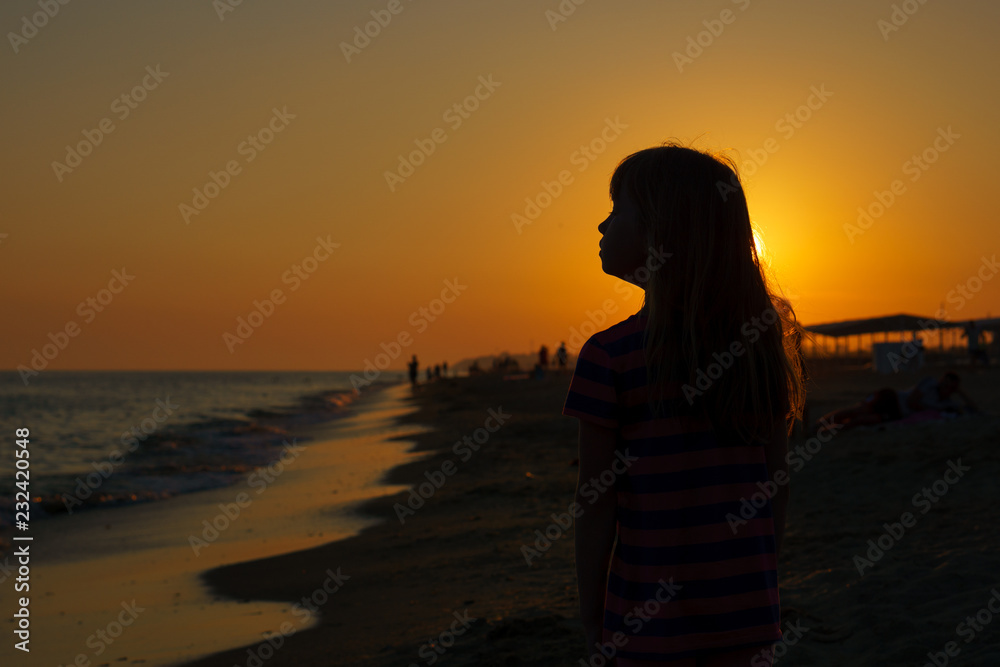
(208, 452)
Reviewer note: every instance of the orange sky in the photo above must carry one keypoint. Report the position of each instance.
(609, 67)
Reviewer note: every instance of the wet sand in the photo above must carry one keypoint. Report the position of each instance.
(122, 585)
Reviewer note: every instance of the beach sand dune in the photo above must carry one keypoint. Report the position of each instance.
(450, 584)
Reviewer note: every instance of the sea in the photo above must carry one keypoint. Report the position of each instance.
(105, 438)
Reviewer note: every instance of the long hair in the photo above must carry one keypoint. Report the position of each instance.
(711, 297)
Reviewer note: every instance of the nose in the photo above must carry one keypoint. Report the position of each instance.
(604, 225)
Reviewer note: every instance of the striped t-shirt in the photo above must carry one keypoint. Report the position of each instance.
(683, 579)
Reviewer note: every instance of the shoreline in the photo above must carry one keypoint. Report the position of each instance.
(86, 566)
(169, 452)
(456, 557)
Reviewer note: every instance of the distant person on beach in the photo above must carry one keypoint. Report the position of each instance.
(543, 363)
(444, 368)
(504, 363)
(887, 404)
(668, 567)
(977, 354)
(430, 374)
(413, 367)
(561, 356)
(919, 344)
(437, 371)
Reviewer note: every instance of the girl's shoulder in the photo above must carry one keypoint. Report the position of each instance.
(629, 326)
(620, 338)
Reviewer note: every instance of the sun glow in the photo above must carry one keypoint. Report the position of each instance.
(758, 241)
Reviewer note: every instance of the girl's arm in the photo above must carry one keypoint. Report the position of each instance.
(596, 527)
(776, 451)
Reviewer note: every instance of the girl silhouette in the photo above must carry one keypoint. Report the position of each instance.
(684, 409)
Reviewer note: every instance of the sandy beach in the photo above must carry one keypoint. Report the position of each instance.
(121, 585)
(450, 583)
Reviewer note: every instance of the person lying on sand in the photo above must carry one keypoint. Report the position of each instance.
(887, 404)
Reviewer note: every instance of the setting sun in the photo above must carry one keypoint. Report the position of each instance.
(758, 242)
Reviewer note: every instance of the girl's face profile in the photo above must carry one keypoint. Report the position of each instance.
(623, 246)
